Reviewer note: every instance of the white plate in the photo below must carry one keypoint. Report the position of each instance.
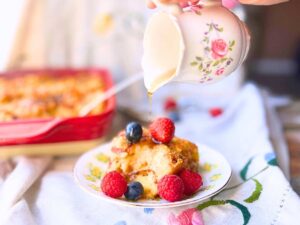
(214, 168)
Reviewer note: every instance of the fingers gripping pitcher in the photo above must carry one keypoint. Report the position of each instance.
(201, 43)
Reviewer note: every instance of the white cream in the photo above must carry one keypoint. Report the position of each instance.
(163, 51)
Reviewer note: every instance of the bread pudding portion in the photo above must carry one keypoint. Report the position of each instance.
(147, 162)
(152, 163)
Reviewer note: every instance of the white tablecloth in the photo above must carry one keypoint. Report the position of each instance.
(240, 134)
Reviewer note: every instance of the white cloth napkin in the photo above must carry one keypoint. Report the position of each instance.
(14, 186)
(240, 134)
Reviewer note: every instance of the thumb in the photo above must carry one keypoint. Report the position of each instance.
(150, 4)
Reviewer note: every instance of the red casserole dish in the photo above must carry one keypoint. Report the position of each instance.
(41, 131)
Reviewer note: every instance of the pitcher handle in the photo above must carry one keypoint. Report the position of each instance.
(174, 9)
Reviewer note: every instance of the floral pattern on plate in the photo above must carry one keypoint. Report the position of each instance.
(214, 169)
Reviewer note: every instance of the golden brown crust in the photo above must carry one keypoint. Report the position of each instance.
(44, 96)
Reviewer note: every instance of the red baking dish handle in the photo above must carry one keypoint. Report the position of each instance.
(33, 131)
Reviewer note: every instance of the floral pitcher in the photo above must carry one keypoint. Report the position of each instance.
(202, 43)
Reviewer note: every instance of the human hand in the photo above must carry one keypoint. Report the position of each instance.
(262, 2)
(184, 3)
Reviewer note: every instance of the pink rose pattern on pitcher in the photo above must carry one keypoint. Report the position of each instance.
(216, 51)
(219, 48)
(220, 71)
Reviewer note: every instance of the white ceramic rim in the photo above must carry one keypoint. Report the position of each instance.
(120, 202)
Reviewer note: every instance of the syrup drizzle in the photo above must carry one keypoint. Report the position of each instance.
(161, 80)
(158, 82)
(150, 97)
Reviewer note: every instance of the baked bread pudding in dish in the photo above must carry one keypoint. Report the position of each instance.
(148, 156)
(45, 96)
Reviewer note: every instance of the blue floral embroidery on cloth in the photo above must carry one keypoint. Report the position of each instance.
(148, 210)
(271, 159)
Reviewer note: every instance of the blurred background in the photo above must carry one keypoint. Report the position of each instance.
(274, 63)
(274, 59)
(81, 33)
(101, 33)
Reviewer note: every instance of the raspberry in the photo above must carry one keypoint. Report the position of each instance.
(170, 104)
(114, 184)
(171, 188)
(215, 112)
(162, 130)
(192, 181)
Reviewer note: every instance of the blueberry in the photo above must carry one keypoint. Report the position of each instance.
(174, 116)
(134, 132)
(134, 191)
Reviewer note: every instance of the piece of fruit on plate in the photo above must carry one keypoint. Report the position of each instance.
(153, 162)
